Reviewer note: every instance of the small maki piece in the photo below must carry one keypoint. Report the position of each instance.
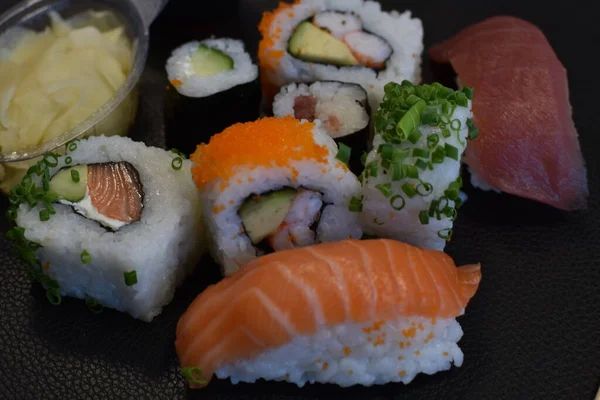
(270, 185)
(340, 40)
(342, 108)
(112, 221)
(411, 180)
(354, 312)
(213, 81)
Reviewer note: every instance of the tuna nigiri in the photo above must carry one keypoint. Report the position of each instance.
(528, 145)
(350, 312)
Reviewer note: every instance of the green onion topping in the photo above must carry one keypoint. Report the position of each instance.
(397, 202)
(75, 175)
(130, 278)
(53, 296)
(385, 189)
(414, 136)
(68, 160)
(432, 141)
(409, 190)
(445, 234)
(396, 172)
(438, 155)
(86, 258)
(468, 91)
(422, 165)
(72, 146)
(473, 131)
(424, 217)
(410, 120)
(424, 189)
(451, 151)
(193, 374)
(177, 163)
(355, 204)
(363, 158)
(343, 153)
(93, 305)
(420, 153)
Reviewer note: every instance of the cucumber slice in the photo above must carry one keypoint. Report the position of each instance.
(207, 61)
(264, 215)
(64, 185)
(311, 43)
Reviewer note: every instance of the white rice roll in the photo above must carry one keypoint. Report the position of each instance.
(89, 261)
(222, 65)
(272, 154)
(396, 31)
(417, 210)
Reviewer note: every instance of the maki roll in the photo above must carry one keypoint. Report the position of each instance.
(273, 184)
(348, 313)
(340, 40)
(342, 108)
(411, 181)
(113, 222)
(213, 81)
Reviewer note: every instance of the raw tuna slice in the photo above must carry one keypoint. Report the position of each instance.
(527, 145)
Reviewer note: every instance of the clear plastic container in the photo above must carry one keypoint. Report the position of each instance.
(116, 115)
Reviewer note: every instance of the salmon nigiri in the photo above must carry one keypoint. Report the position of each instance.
(528, 145)
(350, 312)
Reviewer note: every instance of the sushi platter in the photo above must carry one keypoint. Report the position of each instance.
(312, 199)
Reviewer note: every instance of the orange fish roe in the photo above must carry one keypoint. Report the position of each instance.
(429, 337)
(401, 345)
(266, 142)
(445, 353)
(402, 373)
(231, 202)
(218, 209)
(417, 353)
(350, 372)
(409, 333)
(325, 366)
(408, 344)
(46, 265)
(421, 327)
(347, 351)
(176, 82)
(400, 358)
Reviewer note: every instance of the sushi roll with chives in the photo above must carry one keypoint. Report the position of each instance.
(342, 108)
(112, 221)
(341, 40)
(213, 81)
(411, 181)
(271, 185)
(348, 313)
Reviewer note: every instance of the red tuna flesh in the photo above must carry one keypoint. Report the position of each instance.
(527, 145)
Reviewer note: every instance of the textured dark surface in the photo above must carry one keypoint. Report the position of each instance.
(532, 330)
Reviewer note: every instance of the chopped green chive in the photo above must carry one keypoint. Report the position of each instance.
(46, 180)
(397, 202)
(451, 151)
(343, 153)
(75, 175)
(451, 193)
(456, 124)
(468, 91)
(387, 151)
(424, 188)
(355, 204)
(177, 163)
(422, 165)
(179, 153)
(72, 146)
(396, 172)
(414, 136)
(473, 131)
(400, 155)
(85, 257)
(430, 115)
(385, 189)
(193, 374)
(410, 120)
(424, 217)
(51, 159)
(410, 171)
(44, 215)
(93, 305)
(432, 140)
(363, 158)
(130, 278)
(438, 155)
(53, 296)
(461, 99)
(446, 132)
(445, 234)
(408, 189)
(68, 160)
(420, 153)
(372, 169)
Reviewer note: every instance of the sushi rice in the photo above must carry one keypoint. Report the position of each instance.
(163, 247)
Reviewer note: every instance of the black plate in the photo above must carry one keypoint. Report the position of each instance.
(532, 330)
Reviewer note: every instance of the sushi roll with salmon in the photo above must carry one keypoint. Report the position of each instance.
(411, 182)
(112, 221)
(340, 40)
(342, 108)
(273, 184)
(205, 78)
(348, 313)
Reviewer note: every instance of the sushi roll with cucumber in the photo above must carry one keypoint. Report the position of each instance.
(273, 184)
(411, 182)
(341, 40)
(342, 108)
(213, 81)
(112, 221)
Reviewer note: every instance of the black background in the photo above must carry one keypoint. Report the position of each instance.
(532, 330)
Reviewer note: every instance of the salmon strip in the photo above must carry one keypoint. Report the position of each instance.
(297, 292)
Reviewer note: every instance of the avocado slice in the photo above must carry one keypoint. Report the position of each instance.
(65, 186)
(263, 215)
(311, 43)
(207, 61)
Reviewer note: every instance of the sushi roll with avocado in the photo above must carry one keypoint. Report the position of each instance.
(213, 81)
(341, 40)
(273, 184)
(411, 181)
(112, 221)
(342, 108)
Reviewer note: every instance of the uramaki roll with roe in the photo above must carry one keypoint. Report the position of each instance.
(341, 40)
(271, 185)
